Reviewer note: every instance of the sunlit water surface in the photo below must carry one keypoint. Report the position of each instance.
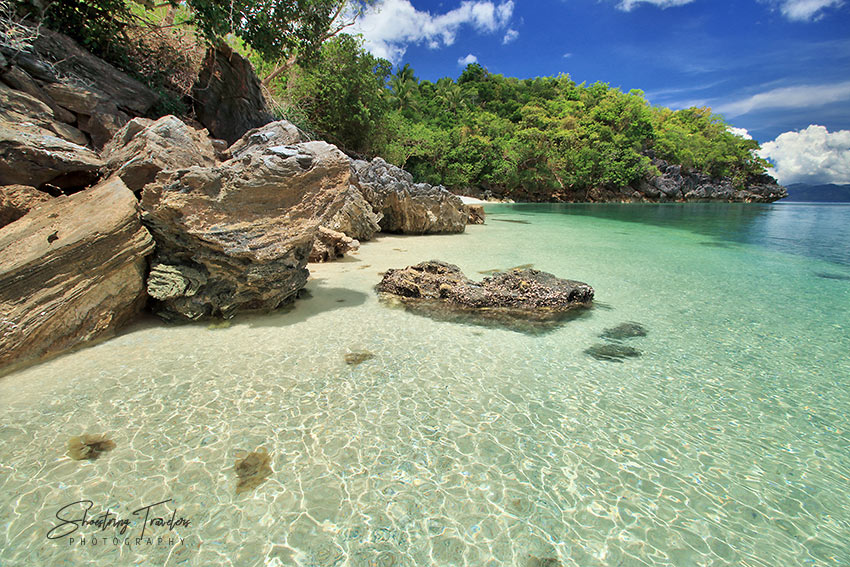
(727, 442)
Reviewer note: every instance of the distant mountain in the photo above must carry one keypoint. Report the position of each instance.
(819, 193)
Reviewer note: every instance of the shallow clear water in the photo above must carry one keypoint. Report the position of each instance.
(727, 442)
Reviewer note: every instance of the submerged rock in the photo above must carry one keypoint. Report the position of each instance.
(625, 330)
(521, 299)
(89, 446)
(252, 470)
(612, 352)
(358, 357)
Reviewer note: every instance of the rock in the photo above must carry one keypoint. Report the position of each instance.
(330, 245)
(31, 155)
(143, 148)
(236, 237)
(626, 330)
(356, 218)
(522, 299)
(674, 184)
(89, 446)
(609, 352)
(20, 80)
(279, 133)
(406, 207)
(252, 470)
(358, 357)
(18, 200)
(227, 98)
(475, 214)
(71, 271)
(78, 67)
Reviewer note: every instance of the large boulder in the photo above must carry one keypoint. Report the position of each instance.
(355, 218)
(31, 155)
(237, 237)
(143, 148)
(18, 200)
(407, 207)
(278, 133)
(71, 271)
(227, 97)
(523, 299)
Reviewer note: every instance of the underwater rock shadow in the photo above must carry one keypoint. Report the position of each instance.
(494, 318)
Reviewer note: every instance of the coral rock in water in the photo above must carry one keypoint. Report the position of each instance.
(252, 470)
(89, 446)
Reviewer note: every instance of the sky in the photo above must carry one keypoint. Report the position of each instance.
(776, 70)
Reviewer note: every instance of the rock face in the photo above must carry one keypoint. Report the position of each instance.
(237, 236)
(521, 299)
(143, 148)
(71, 271)
(330, 245)
(675, 185)
(30, 155)
(83, 92)
(227, 98)
(356, 218)
(18, 200)
(278, 133)
(407, 207)
(475, 214)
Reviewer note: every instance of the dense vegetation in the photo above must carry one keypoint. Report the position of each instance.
(536, 138)
(540, 138)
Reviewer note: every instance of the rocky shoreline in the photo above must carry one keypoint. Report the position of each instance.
(105, 211)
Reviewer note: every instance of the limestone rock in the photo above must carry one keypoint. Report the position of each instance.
(521, 299)
(245, 228)
(356, 218)
(475, 214)
(18, 200)
(227, 97)
(330, 244)
(407, 207)
(143, 148)
(31, 155)
(279, 133)
(71, 271)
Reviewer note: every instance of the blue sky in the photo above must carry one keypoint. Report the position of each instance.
(778, 68)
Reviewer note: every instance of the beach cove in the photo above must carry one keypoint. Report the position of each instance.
(724, 442)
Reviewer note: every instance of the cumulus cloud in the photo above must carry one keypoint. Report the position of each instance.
(469, 59)
(510, 35)
(804, 10)
(389, 26)
(742, 132)
(629, 5)
(803, 96)
(814, 155)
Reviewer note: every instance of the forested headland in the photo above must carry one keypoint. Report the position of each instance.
(542, 138)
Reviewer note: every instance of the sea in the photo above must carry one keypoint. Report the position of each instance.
(715, 433)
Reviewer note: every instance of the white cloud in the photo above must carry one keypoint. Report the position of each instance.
(510, 35)
(464, 61)
(389, 26)
(803, 96)
(813, 155)
(567, 55)
(629, 5)
(804, 10)
(742, 132)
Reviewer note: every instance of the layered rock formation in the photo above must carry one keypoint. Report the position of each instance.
(237, 236)
(85, 95)
(523, 299)
(73, 272)
(674, 184)
(407, 207)
(18, 200)
(227, 98)
(143, 148)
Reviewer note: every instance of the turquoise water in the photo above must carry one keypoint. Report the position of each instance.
(726, 442)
